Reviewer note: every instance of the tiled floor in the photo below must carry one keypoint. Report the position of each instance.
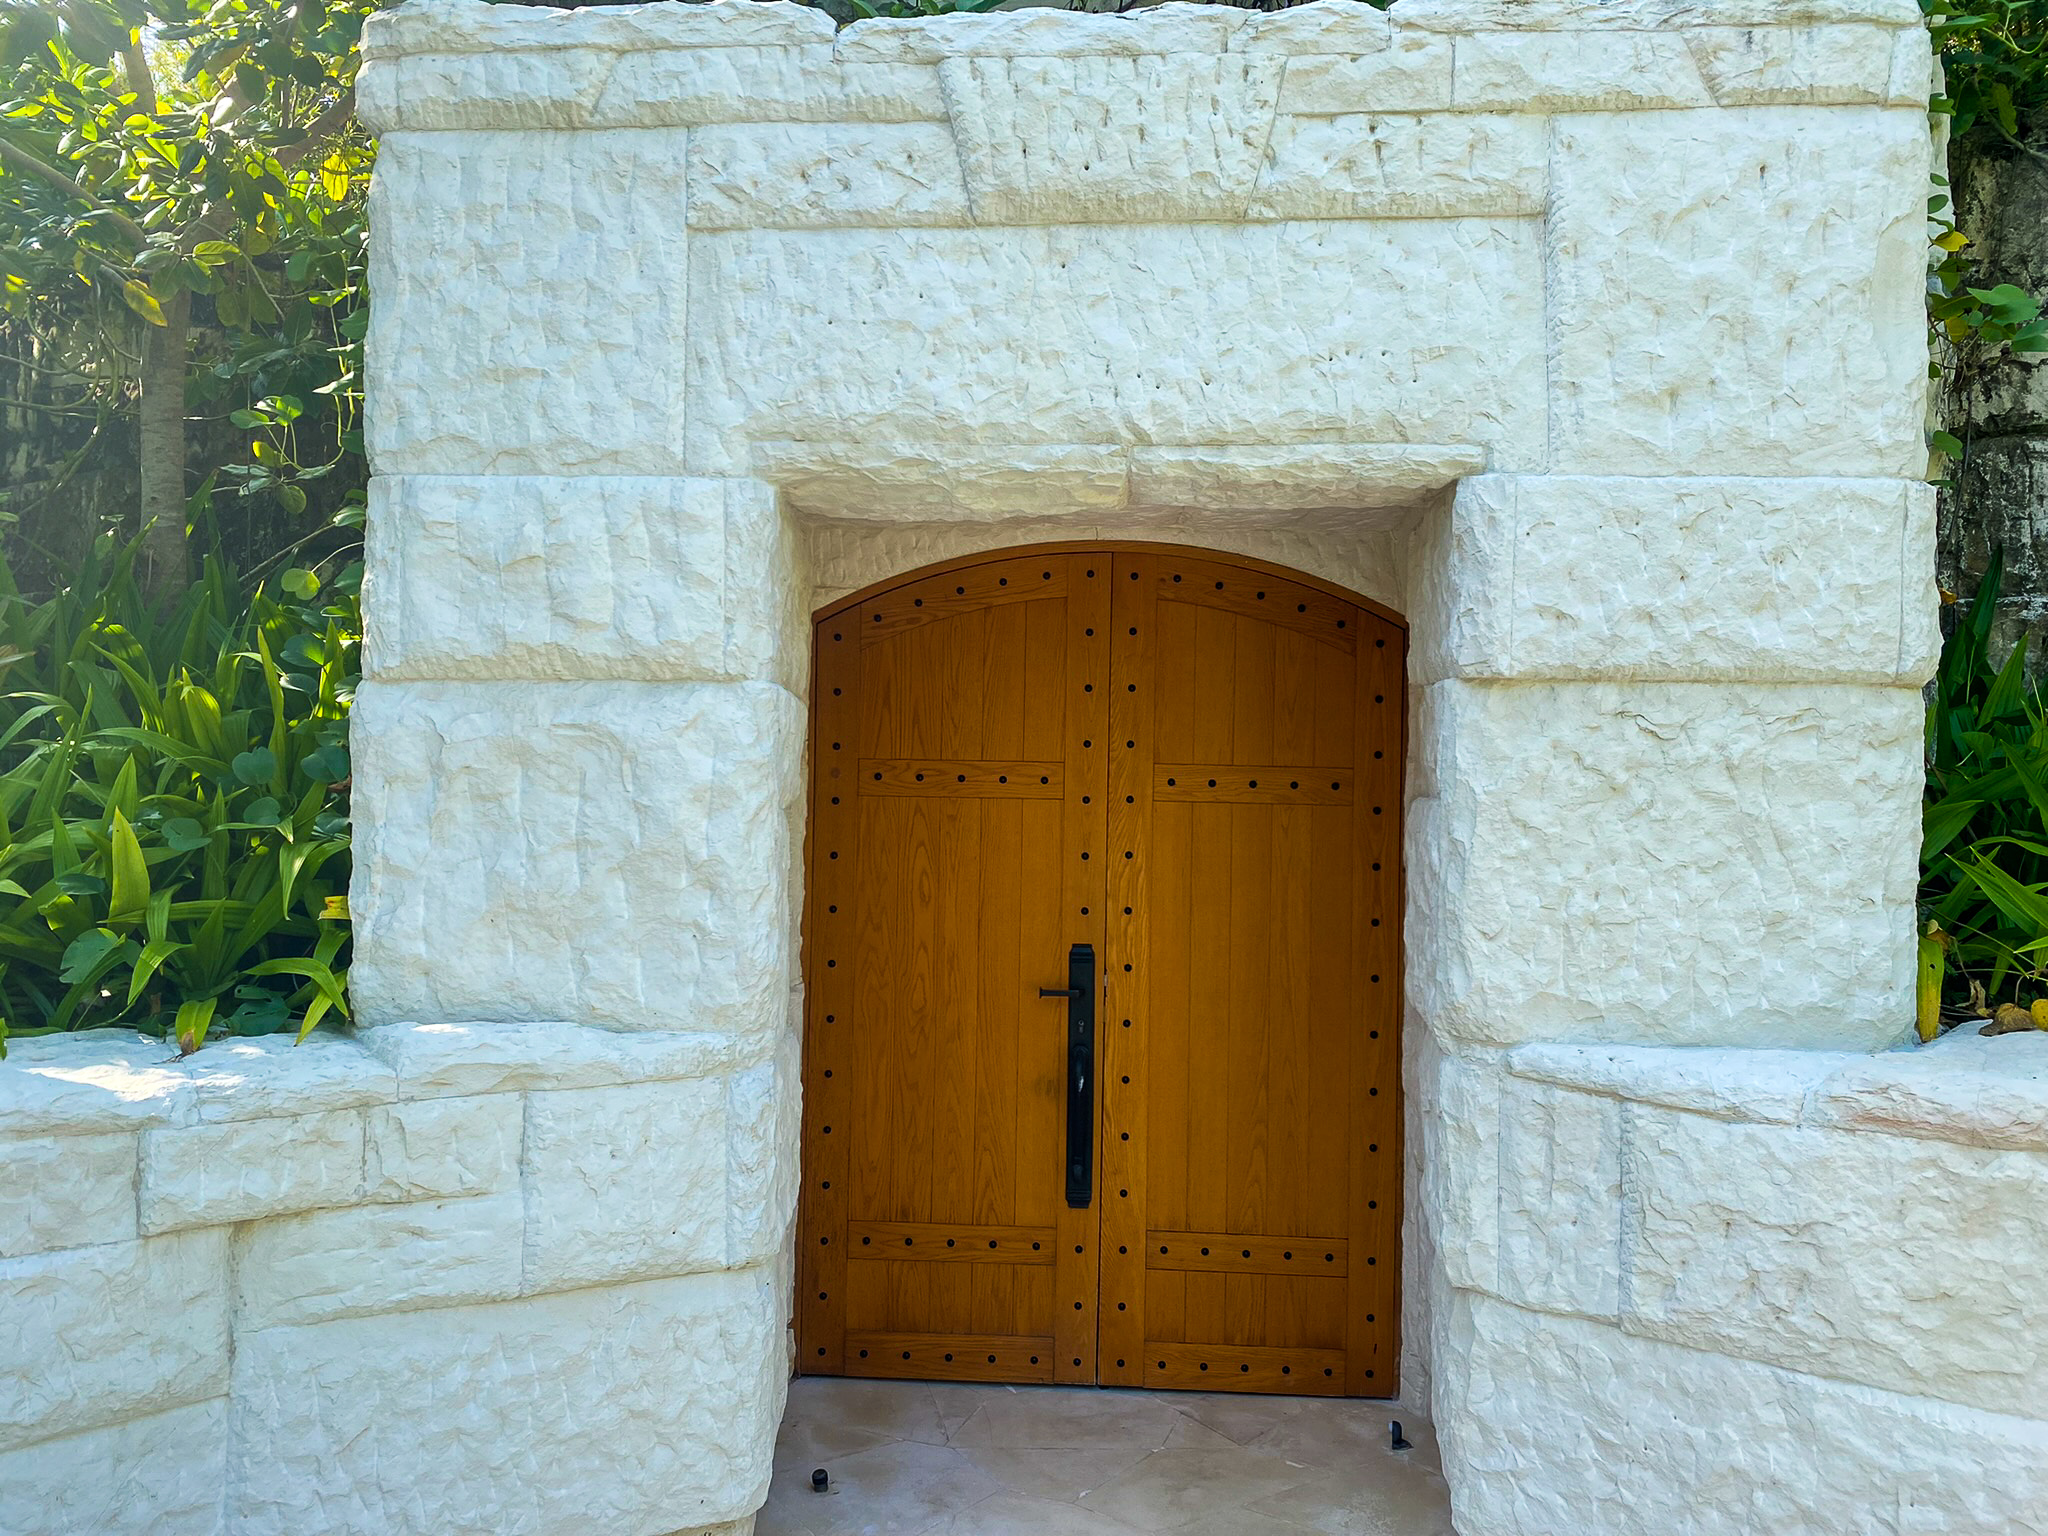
(910, 1457)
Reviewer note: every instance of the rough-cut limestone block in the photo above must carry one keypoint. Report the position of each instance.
(1111, 140)
(605, 577)
(518, 844)
(1200, 333)
(1323, 27)
(93, 1335)
(1878, 1259)
(820, 175)
(1966, 1087)
(1305, 477)
(203, 1175)
(440, 1060)
(378, 1258)
(1770, 1086)
(624, 1183)
(645, 1408)
(695, 86)
(893, 482)
(1646, 15)
(1759, 66)
(1414, 75)
(436, 1148)
(557, 259)
(1574, 72)
(1459, 1103)
(763, 1111)
(1913, 70)
(160, 1475)
(483, 90)
(1558, 1424)
(1656, 266)
(1560, 1199)
(265, 1075)
(479, 26)
(66, 1192)
(1672, 864)
(1431, 167)
(1626, 577)
(99, 1080)
(1044, 33)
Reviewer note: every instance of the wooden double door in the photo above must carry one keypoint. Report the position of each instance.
(1162, 786)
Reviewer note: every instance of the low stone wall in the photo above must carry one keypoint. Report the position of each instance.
(436, 1279)
(1737, 1291)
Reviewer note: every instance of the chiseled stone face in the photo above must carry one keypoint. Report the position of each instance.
(90, 1336)
(1559, 1424)
(538, 576)
(1577, 576)
(530, 296)
(1693, 864)
(1867, 1258)
(800, 334)
(606, 853)
(158, 1475)
(552, 1416)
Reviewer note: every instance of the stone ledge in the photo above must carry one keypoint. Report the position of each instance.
(1964, 1088)
(104, 1081)
(454, 64)
(477, 26)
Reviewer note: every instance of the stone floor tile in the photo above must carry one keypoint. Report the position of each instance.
(902, 1410)
(1009, 1514)
(899, 1489)
(1411, 1501)
(1170, 1488)
(1040, 1418)
(1063, 1477)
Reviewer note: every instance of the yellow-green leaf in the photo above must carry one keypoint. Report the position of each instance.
(143, 302)
(334, 176)
(335, 908)
(130, 899)
(1927, 991)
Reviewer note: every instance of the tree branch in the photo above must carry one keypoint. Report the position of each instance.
(28, 165)
(329, 123)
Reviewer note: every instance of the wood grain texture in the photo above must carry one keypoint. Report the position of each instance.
(1247, 934)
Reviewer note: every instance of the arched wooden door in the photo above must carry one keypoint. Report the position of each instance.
(1188, 1175)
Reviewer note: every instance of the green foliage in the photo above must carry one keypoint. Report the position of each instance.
(865, 11)
(201, 153)
(173, 804)
(1984, 848)
(1994, 58)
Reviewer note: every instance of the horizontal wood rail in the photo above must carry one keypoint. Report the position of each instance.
(943, 1243)
(1239, 1254)
(949, 1356)
(1252, 786)
(1245, 1368)
(975, 779)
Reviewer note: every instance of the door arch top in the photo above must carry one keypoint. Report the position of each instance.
(1248, 563)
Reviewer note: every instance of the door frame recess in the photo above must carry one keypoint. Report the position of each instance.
(852, 601)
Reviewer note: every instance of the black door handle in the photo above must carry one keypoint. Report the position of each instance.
(1080, 995)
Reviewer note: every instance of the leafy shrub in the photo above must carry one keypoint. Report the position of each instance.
(1984, 848)
(173, 803)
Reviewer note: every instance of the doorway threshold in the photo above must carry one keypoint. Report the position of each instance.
(921, 1459)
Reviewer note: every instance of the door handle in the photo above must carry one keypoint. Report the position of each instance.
(1080, 995)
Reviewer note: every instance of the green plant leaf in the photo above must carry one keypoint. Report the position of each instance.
(256, 766)
(130, 897)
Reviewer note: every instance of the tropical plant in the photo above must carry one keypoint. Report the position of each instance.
(173, 803)
(1984, 848)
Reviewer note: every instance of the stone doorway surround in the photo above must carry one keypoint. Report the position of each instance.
(1585, 333)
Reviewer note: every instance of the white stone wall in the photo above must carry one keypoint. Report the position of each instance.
(436, 1280)
(1587, 333)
